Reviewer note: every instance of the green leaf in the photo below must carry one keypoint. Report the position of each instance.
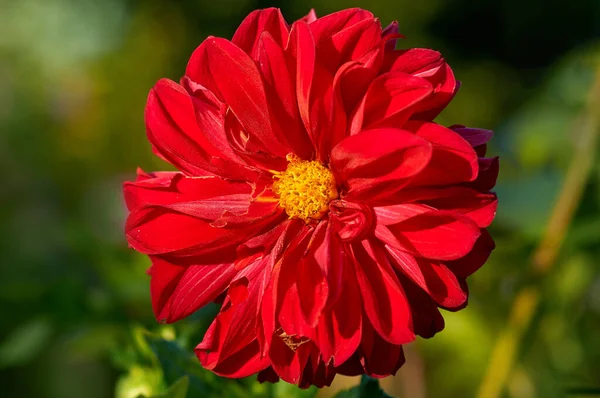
(177, 362)
(179, 389)
(368, 388)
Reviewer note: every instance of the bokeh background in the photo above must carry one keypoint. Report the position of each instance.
(74, 300)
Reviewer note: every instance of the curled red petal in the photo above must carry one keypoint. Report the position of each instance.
(349, 44)
(389, 101)
(328, 25)
(267, 20)
(430, 65)
(353, 221)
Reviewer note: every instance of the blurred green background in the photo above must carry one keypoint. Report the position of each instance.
(74, 75)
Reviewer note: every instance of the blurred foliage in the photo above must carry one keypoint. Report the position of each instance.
(74, 300)
(368, 388)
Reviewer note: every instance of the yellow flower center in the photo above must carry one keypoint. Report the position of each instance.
(305, 188)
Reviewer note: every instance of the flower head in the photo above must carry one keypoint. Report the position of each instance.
(316, 199)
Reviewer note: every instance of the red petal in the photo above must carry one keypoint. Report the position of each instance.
(390, 35)
(281, 92)
(439, 235)
(479, 207)
(269, 375)
(352, 220)
(434, 278)
(380, 358)
(453, 160)
(188, 132)
(339, 332)
(230, 347)
(429, 65)
(296, 230)
(313, 289)
(267, 20)
(325, 27)
(302, 48)
(288, 306)
(312, 284)
(327, 116)
(353, 78)
(383, 299)
(474, 136)
(288, 364)
(427, 320)
(445, 87)
(327, 252)
(470, 263)
(370, 159)
(270, 241)
(133, 192)
(310, 17)
(388, 215)
(177, 291)
(320, 107)
(166, 188)
(243, 363)
(349, 44)
(196, 216)
(488, 174)
(249, 149)
(389, 101)
(231, 74)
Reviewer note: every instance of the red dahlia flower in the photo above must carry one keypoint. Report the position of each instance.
(316, 199)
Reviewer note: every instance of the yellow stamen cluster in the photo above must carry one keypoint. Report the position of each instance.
(305, 188)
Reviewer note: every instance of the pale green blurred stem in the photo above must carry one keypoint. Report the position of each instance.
(527, 299)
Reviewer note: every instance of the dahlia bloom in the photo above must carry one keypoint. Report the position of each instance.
(316, 200)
